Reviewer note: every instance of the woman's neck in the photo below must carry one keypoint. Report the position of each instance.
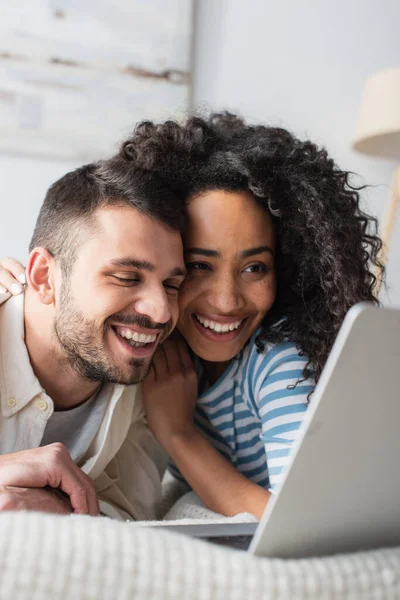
(213, 370)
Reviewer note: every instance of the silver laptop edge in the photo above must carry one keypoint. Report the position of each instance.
(341, 491)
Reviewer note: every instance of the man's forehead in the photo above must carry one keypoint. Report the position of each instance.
(127, 223)
(125, 238)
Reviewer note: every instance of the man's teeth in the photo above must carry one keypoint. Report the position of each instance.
(132, 336)
(218, 327)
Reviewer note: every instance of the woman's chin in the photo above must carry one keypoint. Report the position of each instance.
(212, 352)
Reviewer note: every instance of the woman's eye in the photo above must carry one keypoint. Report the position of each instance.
(257, 268)
(197, 266)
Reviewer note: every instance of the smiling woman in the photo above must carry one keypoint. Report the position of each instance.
(231, 284)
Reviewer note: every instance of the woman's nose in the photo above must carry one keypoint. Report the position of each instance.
(225, 296)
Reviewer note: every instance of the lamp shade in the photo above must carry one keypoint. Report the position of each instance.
(378, 128)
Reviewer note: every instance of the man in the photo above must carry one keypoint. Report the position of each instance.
(103, 275)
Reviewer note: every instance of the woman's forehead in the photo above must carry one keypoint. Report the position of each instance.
(219, 218)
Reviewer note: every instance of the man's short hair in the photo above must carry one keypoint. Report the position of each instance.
(70, 203)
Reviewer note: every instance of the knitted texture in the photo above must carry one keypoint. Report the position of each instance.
(189, 507)
(81, 558)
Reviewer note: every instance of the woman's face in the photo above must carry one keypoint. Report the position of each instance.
(229, 253)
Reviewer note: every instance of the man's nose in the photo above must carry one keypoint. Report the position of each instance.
(154, 305)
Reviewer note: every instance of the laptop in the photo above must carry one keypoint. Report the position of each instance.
(341, 492)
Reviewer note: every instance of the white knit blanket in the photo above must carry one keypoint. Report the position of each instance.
(81, 558)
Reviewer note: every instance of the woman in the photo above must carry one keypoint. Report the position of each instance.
(277, 251)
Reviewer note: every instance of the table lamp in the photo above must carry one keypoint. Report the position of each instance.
(378, 134)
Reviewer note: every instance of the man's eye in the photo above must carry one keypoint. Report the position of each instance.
(126, 280)
(172, 287)
(197, 266)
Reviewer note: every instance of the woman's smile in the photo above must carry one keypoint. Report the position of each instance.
(218, 328)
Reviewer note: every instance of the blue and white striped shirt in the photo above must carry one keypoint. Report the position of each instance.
(253, 413)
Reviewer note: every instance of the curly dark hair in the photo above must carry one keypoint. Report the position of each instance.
(326, 245)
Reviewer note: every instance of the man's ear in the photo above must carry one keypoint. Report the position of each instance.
(40, 274)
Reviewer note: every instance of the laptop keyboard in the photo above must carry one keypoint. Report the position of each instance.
(239, 542)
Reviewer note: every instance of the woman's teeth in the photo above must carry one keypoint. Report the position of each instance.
(218, 327)
(135, 339)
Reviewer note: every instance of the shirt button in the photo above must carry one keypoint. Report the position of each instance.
(41, 404)
(11, 402)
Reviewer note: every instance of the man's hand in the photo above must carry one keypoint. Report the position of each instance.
(38, 499)
(50, 466)
(170, 391)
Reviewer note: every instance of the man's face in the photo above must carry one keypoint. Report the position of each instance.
(120, 300)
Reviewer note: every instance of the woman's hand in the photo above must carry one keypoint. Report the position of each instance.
(170, 390)
(170, 396)
(12, 275)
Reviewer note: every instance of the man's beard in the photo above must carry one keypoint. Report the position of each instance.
(83, 344)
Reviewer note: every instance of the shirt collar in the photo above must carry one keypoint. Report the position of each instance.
(18, 383)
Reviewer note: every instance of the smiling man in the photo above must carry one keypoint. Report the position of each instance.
(103, 275)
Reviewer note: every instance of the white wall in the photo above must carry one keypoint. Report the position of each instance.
(119, 50)
(298, 64)
(23, 184)
(302, 65)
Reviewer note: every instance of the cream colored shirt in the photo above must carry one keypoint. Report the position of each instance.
(124, 460)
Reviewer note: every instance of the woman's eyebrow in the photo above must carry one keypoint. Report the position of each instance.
(203, 252)
(215, 253)
(257, 250)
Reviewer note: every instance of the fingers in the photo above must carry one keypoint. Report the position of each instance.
(38, 499)
(172, 356)
(159, 363)
(12, 276)
(174, 335)
(81, 491)
(151, 375)
(93, 503)
(51, 466)
(7, 499)
(15, 267)
(184, 354)
(83, 496)
(73, 482)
